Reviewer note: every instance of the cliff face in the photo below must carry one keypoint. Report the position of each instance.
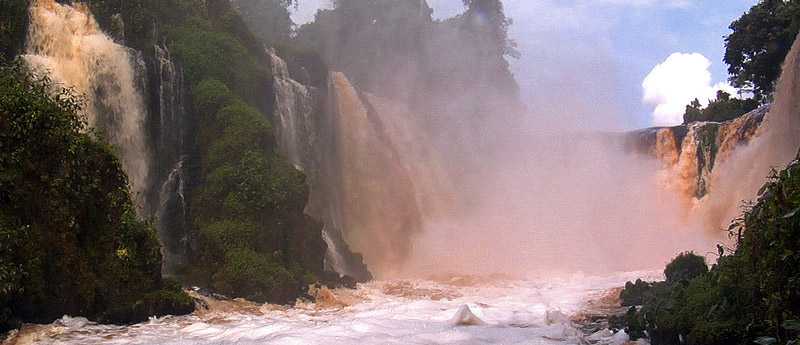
(141, 69)
(690, 153)
(71, 240)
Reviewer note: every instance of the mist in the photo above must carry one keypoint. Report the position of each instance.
(504, 178)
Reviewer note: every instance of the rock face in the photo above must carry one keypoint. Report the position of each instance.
(690, 152)
(135, 98)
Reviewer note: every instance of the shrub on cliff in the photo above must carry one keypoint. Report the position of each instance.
(685, 267)
(254, 238)
(723, 108)
(71, 240)
(752, 294)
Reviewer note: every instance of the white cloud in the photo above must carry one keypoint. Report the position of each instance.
(672, 84)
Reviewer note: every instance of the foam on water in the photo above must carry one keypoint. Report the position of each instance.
(407, 312)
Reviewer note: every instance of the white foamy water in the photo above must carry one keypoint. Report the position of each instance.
(394, 312)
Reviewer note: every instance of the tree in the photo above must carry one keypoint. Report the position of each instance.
(269, 20)
(723, 108)
(694, 112)
(498, 24)
(759, 43)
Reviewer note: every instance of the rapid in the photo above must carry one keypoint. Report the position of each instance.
(509, 311)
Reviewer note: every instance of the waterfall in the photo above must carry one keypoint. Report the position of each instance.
(775, 144)
(306, 136)
(720, 166)
(334, 260)
(172, 219)
(170, 105)
(371, 179)
(691, 154)
(379, 210)
(171, 210)
(67, 43)
(294, 107)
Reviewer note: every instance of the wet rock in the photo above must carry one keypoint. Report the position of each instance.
(555, 317)
(335, 280)
(465, 317)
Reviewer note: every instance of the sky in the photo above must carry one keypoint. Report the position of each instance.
(622, 63)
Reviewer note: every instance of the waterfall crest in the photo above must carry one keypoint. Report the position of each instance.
(716, 167)
(67, 43)
(775, 144)
(691, 155)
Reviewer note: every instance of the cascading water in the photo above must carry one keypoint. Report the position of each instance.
(379, 207)
(294, 108)
(172, 219)
(170, 106)
(171, 159)
(722, 165)
(691, 154)
(359, 154)
(67, 43)
(306, 141)
(775, 144)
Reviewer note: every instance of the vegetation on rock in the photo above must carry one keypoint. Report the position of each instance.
(250, 236)
(254, 240)
(723, 108)
(750, 295)
(70, 239)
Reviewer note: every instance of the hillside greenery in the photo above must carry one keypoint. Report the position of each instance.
(750, 295)
(251, 237)
(70, 239)
(254, 241)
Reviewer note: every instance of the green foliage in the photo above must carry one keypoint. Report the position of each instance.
(249, 210)
(721, 109)
(210, 95)
(269, 20)
(633, 294)
(248, 199)
(750, 295)
(207, 52)
(759, 43)
(260, 277)
(685, 267)
(72, 241)
(13, 26)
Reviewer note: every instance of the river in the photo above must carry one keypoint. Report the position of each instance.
(535, 311)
